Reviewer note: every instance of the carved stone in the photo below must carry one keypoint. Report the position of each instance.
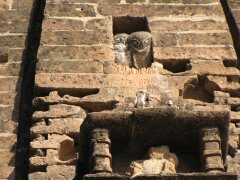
(160, 161)
(101, 159)
(211, 150)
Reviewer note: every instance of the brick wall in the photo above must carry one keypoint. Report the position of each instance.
(14, 20)
(75, 58)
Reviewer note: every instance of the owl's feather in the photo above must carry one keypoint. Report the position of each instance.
(121, 49)
(140, 46)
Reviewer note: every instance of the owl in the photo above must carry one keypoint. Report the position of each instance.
(121, 49)
(140, 45)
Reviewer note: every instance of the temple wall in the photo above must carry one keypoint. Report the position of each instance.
(76, 71)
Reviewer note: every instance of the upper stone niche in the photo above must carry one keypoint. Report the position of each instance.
(132, 42)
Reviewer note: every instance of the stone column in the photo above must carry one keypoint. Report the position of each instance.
(211, 153)
(100, 157)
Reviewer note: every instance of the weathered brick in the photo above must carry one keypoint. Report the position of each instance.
(185, 1)
(100, 53)
(9, 83)
(7, 172)
(12, 40)
(4, 5)
(15, 15)
(8, 113)
(15, 54)
(164, 39)
(14, 27)
(69, 67)
(180, 53)
(159, 10)
(177, 26)
(101, 24)
(10, 69)
(83, 1)
(8, 126)
(68, 126)
(75, 38)
(19, 4)
(61, 172)
(135, 1)
(8, 141)
(9, 98)
(51, 24)
(92, 81)
(7, 157)
(213, 68)
(38, 176)
(205, 38)
(70, 10)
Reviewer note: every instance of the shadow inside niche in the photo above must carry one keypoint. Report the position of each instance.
(194, 89)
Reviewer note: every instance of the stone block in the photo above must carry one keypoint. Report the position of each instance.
(84, 1)
(9, 98)
(53, 24)
(7, 157)
(68, 126)
(70, 10)
(213, 68)
(8, 141)
(10, 69)
(164, 39)
(104, 24)
(208, 53)
(75, 38)
(159, 10)
(15, 54)
(15, 15)
(69, 66)
(38, 176)
(13, 40)
(93, 81)
(235, 117)
(101, 53)
(7, 172)
(205, 39)
(8, 113)
(185, 1)
(60, 111)
(187, 25)
(61, 172)
(14, 27)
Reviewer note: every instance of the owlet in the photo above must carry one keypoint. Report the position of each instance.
(140, 44)
(121, 49)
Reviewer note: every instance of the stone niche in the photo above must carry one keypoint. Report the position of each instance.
(187, 144)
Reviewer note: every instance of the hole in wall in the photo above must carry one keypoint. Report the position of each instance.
(177, 66)
(3, 58)
(229, 63)
(194, 89)
(129, 24)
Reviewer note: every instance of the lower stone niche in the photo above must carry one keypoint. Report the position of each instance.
(154, 143)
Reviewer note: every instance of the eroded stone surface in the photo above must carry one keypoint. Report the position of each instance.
(160, 161)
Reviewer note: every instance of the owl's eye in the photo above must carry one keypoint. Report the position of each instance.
(146, 42)
(135, 43)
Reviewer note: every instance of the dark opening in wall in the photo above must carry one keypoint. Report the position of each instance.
(229, 63)
(177, 66)
(128, 24)
(194, 89)
(3, 58)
